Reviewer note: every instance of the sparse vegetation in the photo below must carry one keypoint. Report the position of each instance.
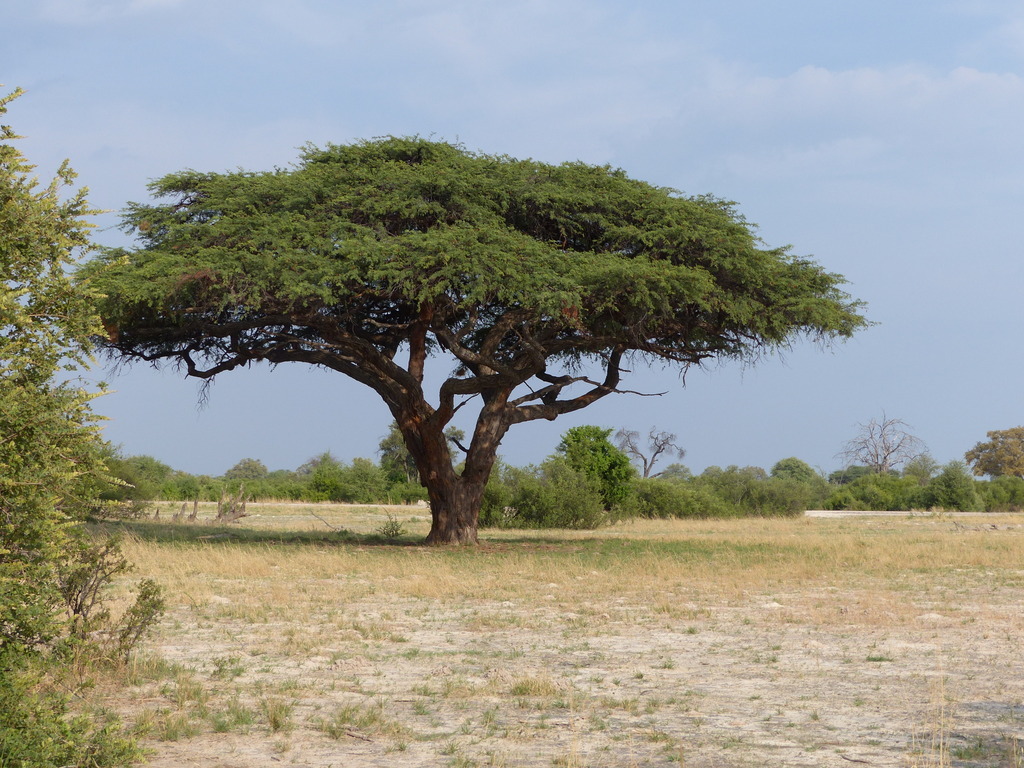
(543, 646)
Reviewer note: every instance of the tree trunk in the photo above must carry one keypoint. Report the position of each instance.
(455, 511)
(454, 499)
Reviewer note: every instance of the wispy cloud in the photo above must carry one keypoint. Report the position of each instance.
(92, 12)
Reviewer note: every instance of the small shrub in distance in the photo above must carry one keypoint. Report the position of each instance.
(881, 492)
(664, 499)
(1002, 494)
(953, 488)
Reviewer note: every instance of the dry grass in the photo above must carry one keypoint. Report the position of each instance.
(738, 642)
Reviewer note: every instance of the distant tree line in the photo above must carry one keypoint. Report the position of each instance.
(590, 480)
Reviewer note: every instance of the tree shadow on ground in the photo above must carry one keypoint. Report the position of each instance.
(597, 547)
(177, 533)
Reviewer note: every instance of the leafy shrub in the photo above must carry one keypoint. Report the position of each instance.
(750, 491)
(1002, 494)
(849, 474)
(954, 488)
(664, 499)
(403, 492)
(881, 492)
(86, 573)
(587, 449)
(795, 469)
(36, 730)
(496, 510)
(247, 469)
(553, 495)
(51, 467)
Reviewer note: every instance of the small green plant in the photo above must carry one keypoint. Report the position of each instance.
(175, 726)
(233, 717)
(534, 686)
(227, 668)
(36, 730)
(278, 713)
(363, 718)
(392, 528)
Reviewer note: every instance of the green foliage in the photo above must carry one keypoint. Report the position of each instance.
(675, 472)
(395, 459)
(361, 482)
(49, 443)
(659, 498)
(405, 493)
(247, 469)
(37, 731)
(1003, 494)
(954, 488)
(750, 491)
(795, 469)
(51, 464)
(570, 246)
(1001, 454)
(326, 480)
(587, 449)
(849, 474)
(881, 492)
(553, 495)
(556, 494)
(391, 528)
(364, 481)
(921, 468)
(137, 480)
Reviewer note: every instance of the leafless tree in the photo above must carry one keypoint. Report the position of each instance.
(883, 444)
(658, 443)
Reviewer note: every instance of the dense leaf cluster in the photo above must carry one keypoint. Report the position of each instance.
(503, 261)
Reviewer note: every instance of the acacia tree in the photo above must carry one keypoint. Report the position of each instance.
(883, 445)
(368, 259)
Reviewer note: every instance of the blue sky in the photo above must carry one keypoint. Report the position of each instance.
(885, 140)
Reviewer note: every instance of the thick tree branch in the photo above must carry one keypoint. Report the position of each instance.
(476, 361)
(553, 408)
(418, 342)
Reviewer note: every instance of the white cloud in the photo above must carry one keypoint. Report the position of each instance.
(94, 12)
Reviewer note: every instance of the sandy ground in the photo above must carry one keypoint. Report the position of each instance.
(928, 673)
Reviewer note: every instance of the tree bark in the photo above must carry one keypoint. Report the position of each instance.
(454, 499)
(455, 511)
